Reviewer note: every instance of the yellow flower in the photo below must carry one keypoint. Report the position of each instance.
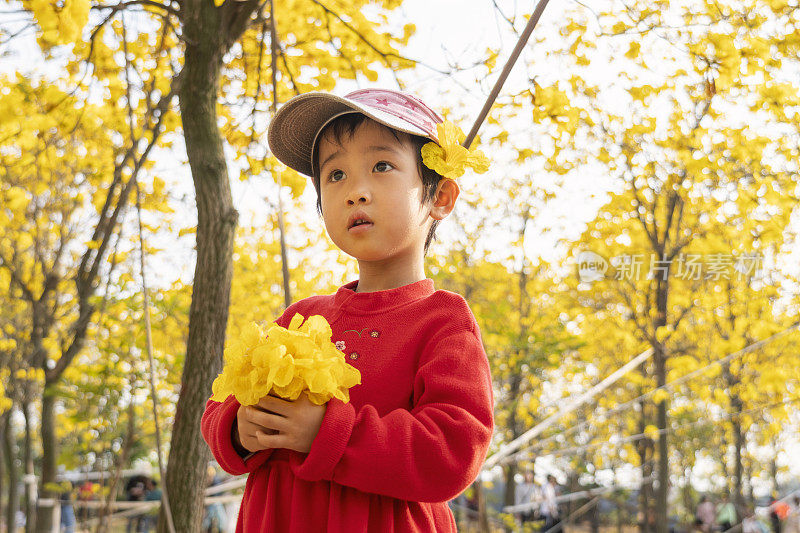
(448, 158)
(285, 362)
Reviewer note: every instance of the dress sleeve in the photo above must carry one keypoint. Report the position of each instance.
(428, 454)
(217, 426)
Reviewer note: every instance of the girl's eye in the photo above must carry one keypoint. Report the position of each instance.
(336, 175)
(382, 166)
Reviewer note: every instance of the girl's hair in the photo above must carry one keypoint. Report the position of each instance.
(346, 125)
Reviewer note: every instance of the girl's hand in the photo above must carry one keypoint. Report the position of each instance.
(249, 422)
(288, 424)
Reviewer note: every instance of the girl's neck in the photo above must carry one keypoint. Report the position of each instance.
(380, 277)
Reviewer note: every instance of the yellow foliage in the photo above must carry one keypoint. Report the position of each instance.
(660, 395)
(633, 50)
(15, 200)
(59, 22)
(30, 374)
(5, 403)
(7, 345)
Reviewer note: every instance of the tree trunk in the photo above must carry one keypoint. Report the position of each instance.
(27, 496)
(11, 472)
(44, 514)
(646, 489)
(723, 460)
(483, 515)
(738, 439)
(510, 470)
(738, 436)
(216, 224)
(773, 469)
(751, 498)
(3, 474)
(660, 364)
(509, 493)
(662, 525)
(688, 503)
(573, 486)
(644, 449)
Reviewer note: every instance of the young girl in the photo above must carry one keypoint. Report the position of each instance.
(416, 430)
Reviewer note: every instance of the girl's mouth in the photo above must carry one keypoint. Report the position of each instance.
(358, 219)
(360, 226)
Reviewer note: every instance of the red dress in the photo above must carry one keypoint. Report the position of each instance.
(413, 436)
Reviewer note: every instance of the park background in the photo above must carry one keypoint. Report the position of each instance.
(657, 142)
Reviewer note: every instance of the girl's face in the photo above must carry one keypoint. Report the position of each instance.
(371, 196)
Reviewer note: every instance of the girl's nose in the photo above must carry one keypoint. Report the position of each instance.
(358, 194)
(359, 199)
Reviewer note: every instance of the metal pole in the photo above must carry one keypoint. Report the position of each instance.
(523, 40)
(287, 295)
(153, 394)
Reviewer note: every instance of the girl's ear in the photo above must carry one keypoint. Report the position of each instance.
(445, 198)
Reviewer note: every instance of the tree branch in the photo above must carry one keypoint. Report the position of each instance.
(123, 5)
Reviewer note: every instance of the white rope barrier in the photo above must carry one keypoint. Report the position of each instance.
(142, 508)
(139, 508)
(508, 449)
(99, 474)
(572, 496)
(231, 484)
(583, 508)
(135, 508)
(604, 416)
(631, 438)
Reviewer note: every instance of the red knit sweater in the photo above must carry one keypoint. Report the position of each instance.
(413, 436)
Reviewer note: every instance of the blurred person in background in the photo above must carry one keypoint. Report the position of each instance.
(726, 514)
(706, 514)
(793, 516)
(135, 491)
(67, 511)
(778, 512)
(526, 493)
(549, 508)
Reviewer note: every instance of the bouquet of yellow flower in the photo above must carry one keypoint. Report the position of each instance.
(285, 362)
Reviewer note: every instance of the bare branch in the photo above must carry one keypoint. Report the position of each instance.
(151, 3)
(288, 70)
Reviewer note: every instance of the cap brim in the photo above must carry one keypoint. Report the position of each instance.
(295, 127)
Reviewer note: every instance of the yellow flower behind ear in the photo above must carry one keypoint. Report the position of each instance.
(448, 158)
(285, 362)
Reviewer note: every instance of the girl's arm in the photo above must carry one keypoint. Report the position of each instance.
(219, 420)
(430, 453)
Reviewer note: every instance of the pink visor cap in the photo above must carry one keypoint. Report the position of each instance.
(294, 130)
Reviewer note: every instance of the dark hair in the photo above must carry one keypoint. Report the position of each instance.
(346, 125)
